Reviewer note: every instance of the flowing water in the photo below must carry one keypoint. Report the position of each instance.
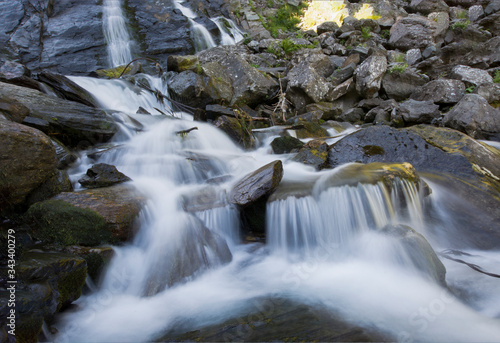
(230, 34)
(202, 39)
(116, 33)
(187, 267)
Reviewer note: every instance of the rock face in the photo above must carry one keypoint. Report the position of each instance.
(27, 160)
(102, 175)
(72, 123)
(474, 116)
(303, 79)
(91, 217)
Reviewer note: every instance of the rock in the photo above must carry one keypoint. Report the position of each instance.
(419, 112)
(67, 88)
(310, 130)
(233, 79)
(352, 115)
(411, 32)
(179, 63)
(18, 74)
(327, 26)
(492, 7)
(343, 74)
(475, 12)
(313, 153)
(485, 54)
(490, 92)
(97, 258)
(491, 23)
(341, 90)
(64, 156)
(428, 6)
(13, 110)
(474, 116)
(58, 183)
(471, 75)
(215, 111)
(442, 91)
(256, 185)
(331, 110)
(413, 56)
(419, 251)
(440, 22)
(286, 145)
(27, 160)
(280, 319)
(304, 79)
(102, 175)
(237, 130)
(90, 217)
(73, 123)
(368, 75)
(462, 3)
(190, 89)
(400, 86)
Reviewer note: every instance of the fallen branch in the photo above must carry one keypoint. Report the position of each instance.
(183, 133)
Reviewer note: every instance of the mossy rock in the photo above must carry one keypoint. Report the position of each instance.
(313, 153)
(286, 144)
(239, 130)
(97, 258)
(59, 222)
(179, 63)
(311, 130)
(113, 73)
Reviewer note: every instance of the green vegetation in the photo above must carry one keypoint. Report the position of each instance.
(470, 89)
(286, 19)
(461, 24)
(462, 14)
(400, 58)
(496, 78)
(287, 46)
(386, 34)
(366, 32)
(398, 68)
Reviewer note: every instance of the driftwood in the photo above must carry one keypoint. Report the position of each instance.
(183, 133)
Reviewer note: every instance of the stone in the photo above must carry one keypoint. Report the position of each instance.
(341, 90)
(492, 7)
(411, 32)
(12, 109)
(65, 156)
(413, 56)
(102, 175)
(190, 89)
(400, 86)
(72, 123)
(286, 145)
(330, 110)
(305, 79)
(236, 130)
(490, 92)
(352, 115)
(179, 63)
(474, 116)
(470, 75)
(310, 130)
(327, 26)
(369, 74)
(491, 23)
(313, 153)
(440, 22)
(475, 12)
(428, 6)
(343, 74)
(442, 91)
(27, 160)
(418, 112)
(484, 54)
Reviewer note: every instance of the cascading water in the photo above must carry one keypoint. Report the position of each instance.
(117, 36)
(202, 39)
(328, 246)
(230, 34)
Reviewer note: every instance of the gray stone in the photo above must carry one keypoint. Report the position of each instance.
(440, 22)
(492, 7)
(327, 26)
(475, 12)
(428, 6)
(411, 32)
(368, 75)
(102, 175)
(474, 116)
(413, 56)
(418, 112)
(429, 51)
(471, 75)
(400, 86)
(313, 153)
(341, 90)
(286, 144)
(352, 115)
(441, 91)
(490, 92)
(484, 54)
(304, 78)
(343, 74)
(190, 88)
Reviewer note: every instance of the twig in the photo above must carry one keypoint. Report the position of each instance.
(185, 132)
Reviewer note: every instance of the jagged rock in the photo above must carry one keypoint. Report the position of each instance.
(474, 116)
(89, 217)
(341, 90)
(331, 110)
(400, 86)
(27, 160)
(71, 122)
(343, 74)
(67, 88)
(442, 91)
(491, 23)
(471, 75)
(440, 22)
(475, 12)
(411, 32)
(304, 79)
(420, 252)
(13, 110)
(190, 89)
(313, 153)
(484, 55)
(413, 56)
(492, 7)
(236, 131)
(215, 111)
(368, 75)
(462, 3)
(18, 74)
(97, 258)
(65, 157)
(179, 63)
(102, 175)
(327, 26)
(310, 130)
(286, 144)
(428, 6)
(418, 112)
(256, 185)
(491, 92)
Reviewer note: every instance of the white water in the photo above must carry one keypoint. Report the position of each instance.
(202, 39)
(116, 34)
(230, 33)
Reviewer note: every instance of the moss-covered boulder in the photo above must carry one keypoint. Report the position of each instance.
(313, 153)
(286, 144)
(239, 130)
(310, 130)
(180, 63)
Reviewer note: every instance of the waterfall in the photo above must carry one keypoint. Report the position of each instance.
(230, 33)
(202, 39)
(116, 33)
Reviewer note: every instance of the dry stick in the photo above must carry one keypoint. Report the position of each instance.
(184, 132)
(470, 265)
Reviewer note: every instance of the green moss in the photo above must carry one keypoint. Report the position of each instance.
(461, 24)
(496, 78)
(372, 150)
(112, 73)
(311, 130)
(287, 18)
(59, 222)
(70, 285)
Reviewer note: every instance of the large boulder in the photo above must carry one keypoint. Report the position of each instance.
(368, 75)
(90, 217)
(400, 86)
(191, 89)
(304, 79)
(411, 32)
(12, 110)
(418, 112)
(237, 130)
(71, 122)
(442, 92)
(470, 75)
(484, 55)
(286, 144)
(474, 116)
(27, 160)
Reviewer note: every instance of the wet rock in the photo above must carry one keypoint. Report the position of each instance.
(471, 75)
(56, 184)
(102, 175)
(256, 185)
(411, 32)
(418, 112)
(400, 86)
(304, 79)
(67, 88)
(97, 258)
(442, 91)
(18, 74)
(330, 110)
(474, 116)
(65, 156)
(286, 144)
(72, 123)
(313, 153)
(310, 130)
(190, 89)
(90, 217)
(13, 110)
(419, 251)
(215, 111)
(237, 130)
(368, 75)
(27, 160)
(352, 115)
(179, 63)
